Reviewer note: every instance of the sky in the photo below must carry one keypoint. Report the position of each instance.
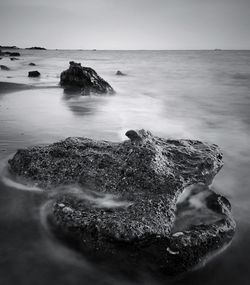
(126, 24)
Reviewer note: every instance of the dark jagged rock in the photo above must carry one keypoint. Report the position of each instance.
(119, 73)
(32, 64)
(4, 67)
(34, 73)
(124, 209)
(85, 79)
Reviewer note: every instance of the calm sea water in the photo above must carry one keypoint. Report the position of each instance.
(201, 95)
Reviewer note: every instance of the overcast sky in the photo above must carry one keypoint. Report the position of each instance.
(126, 24)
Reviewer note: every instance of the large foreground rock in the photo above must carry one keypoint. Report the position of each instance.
(85, 79)
(118, 201)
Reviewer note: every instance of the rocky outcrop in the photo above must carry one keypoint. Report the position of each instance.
(119, 73)
(4, 67)
(34, 73)
(123, 205)
(12, 53)
(84, 79)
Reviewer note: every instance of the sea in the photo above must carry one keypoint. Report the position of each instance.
(202, 95)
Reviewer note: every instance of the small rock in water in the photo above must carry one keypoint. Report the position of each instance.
(34, 73)
(14, 58)
(120, 73)
(4, 67)
(32, 64)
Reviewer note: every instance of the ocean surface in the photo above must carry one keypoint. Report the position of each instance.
(202, 95)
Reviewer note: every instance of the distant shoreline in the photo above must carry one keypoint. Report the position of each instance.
(94, 50)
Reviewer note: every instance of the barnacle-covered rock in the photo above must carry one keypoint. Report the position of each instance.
(122, 200)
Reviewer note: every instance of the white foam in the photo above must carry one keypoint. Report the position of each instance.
(13, 184)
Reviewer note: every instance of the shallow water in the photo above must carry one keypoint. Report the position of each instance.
(175, 94)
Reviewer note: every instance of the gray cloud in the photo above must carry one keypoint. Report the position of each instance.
(130, 24)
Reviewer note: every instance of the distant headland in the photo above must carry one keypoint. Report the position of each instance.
(37, 48)
(15, 47)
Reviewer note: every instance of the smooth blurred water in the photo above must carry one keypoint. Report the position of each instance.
(201, 95)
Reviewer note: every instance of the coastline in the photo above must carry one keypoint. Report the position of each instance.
(9, 87)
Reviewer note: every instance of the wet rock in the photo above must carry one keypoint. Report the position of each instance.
(32, 64)
(4, 67)
(14, 58)
(125, 206)
(34, 73)
(84, 79)
(119, 73)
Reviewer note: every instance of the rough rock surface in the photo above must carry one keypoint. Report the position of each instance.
(123, 207)
(85, 79)
(34, 73)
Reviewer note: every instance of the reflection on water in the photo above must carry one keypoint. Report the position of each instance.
(198, 95)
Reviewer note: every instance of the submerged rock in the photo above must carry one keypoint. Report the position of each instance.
(34, 73)
(14, 58)
(4, 67)
(123, 210)
(85, 79)
(32, 64)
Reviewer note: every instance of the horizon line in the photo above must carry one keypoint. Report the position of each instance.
(141, 49)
